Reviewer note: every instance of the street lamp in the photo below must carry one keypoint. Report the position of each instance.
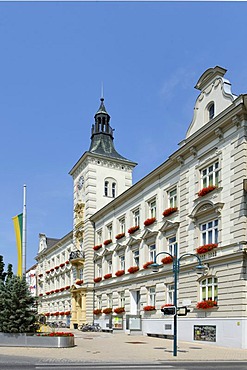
(176, 265)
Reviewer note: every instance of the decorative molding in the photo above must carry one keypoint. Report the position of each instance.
(180, 160)
(193, 151)
(218, 132)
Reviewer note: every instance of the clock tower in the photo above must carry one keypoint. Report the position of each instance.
(100, 175)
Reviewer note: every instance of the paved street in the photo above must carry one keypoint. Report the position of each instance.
(97, 349)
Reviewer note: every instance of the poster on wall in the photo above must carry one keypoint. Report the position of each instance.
(117, 322)
(205, 333)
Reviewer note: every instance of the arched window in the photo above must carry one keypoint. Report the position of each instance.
(110, 187)
(211, 111)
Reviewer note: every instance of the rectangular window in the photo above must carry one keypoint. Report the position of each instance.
(98, 270)
(171, 245)
(121, 299)
(136, 217)
(99, 237)
(122, 225)
(152, 208)
(209, 232)
(109, 266)
(152, 252)
(109, 231)
(109, 300)
(122, 262)
(172, 198)
(209, 289)
(99, 301)
(136, 257)
(170, 294)
(151, 296)
(210, 175)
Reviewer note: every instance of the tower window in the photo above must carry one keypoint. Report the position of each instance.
(211, 111)
(106, 188)
(113, 189)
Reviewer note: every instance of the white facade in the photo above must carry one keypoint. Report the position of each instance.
(195, 199)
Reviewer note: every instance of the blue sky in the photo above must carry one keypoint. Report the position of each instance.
(54, 57)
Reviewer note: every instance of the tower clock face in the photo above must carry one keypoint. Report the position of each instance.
(80, 183)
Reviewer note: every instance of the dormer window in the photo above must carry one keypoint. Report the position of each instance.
(211, 111)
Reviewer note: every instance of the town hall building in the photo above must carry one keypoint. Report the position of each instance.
(194, 202)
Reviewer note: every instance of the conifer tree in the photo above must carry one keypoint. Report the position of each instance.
(17, 305)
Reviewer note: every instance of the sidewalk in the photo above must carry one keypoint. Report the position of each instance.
(123, 348)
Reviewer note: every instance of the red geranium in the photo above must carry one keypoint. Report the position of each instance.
(149, 221)
(167, 260)
(133, 269)
(149, 308)
(206, 248)
(119, 272)
(97, 279)
(133, 229)
(206, 190)
(145, 266)
(169, 211)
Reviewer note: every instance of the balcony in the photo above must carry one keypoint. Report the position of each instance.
(77, 258)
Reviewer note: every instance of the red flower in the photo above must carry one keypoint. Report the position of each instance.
(79, 282)
(62, 289)
(97, 279)
(145, 266)
(66, 262)
(206, 190)
(108, 241)
(62, 313)
(119, 310)
(56, 267)
(107, 276)
(167, 260)
(67, 287)
(107, 310)
(47, 314)
(149, 221)
(119, 272)
(119, 236)
(149, 308)
(97, 247)
(67, 313)
(206, 304)
(40, 275)
(52, 269)
(169, 211)
(62, 264)
(40, 295)
(206, 248)
(167, 305)
(133, 269)
(133, 229)
(47, 293)
(97, 311)
(57, 290)
(48, 271)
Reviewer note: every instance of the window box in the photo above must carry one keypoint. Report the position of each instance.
(47, 314)
(169, 211)
(79, 282)
(62, 289)
(56, 267)
(97, 247)
(119, 310)
(145, 266)
(149, 221)
(48, 271)
(120, 273)
(62, 264)
(149, 308)
(107, 310)
(97, 279)
(41, 294)
(133, 229)
(167, 260)
(107, 276)
(47, 293)
(57, 290)
(66, 262)
(206, 190)
(206, 304)
(133, 269)
(62, 313)
(67, 313)
(206, 248)
(97, 311)
(51, 270)
(120, 236)
(40, 275)
(67, 287)
(108, 241)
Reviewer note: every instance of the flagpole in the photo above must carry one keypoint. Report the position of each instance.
(24, 233)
